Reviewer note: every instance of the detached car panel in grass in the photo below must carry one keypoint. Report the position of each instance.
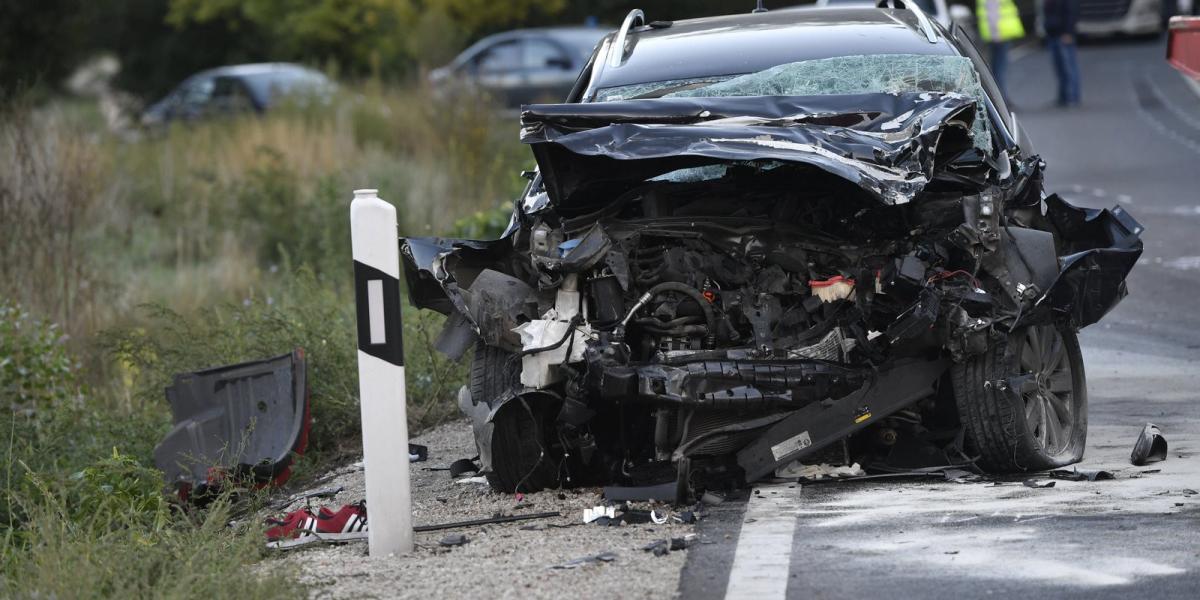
(741, 260)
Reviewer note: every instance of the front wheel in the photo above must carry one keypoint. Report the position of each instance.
(524, 457)
(1023, 403)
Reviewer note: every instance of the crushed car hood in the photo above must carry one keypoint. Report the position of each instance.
(888, 144)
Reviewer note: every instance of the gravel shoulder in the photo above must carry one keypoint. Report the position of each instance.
(509, 560)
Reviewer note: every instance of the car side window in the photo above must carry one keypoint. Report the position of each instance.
(542, 54)
(503, 57)
(195, 94)
(229, 94)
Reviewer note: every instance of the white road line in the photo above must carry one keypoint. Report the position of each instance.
(1192, 84)
(764, 549)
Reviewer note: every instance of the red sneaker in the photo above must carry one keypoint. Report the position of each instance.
(301, 527)
(348, 523)
(296, 529)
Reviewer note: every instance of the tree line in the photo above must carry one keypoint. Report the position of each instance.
(159, 42)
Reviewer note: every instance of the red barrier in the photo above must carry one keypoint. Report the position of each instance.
(1183, 45)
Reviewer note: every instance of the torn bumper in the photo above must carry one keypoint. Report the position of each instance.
(238, 421)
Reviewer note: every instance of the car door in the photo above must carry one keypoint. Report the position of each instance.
(499, 70)
(229, 96)
(549, 71)
(193, 99)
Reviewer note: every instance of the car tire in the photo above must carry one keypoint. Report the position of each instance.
(1039, 422)
(523, 458)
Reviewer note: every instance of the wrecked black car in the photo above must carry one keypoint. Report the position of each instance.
(756, 238)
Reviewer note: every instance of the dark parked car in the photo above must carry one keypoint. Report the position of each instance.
(237, 88)
(523, 66)
(760, 237)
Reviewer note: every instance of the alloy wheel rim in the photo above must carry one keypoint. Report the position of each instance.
(1048, 389)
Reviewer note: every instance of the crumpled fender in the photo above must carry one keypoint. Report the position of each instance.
(888, 144)
(1099, 248)
(430, 284)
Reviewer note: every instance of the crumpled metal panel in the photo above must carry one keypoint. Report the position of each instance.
(243, 420)
(1102, 247)
(888, 144)
(859, 74)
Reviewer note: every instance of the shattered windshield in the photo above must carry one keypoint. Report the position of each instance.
(863, 74)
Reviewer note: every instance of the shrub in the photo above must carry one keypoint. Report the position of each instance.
(35, 369)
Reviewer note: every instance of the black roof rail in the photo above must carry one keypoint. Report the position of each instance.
(922, 20)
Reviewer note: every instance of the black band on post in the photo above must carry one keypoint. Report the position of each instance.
(378, 294)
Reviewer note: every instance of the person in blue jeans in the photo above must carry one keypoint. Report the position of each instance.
(1059, 18)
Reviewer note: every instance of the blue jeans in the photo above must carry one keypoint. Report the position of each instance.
(1066, 67)
(1000, 65)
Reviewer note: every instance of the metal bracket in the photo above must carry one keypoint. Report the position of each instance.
(820, 424)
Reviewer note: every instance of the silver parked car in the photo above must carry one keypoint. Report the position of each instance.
(237, 89)
(522, 66)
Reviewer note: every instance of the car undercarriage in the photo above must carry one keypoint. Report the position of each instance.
(695, 292)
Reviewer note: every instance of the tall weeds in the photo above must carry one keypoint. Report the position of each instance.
(197, 246)
(50, 179)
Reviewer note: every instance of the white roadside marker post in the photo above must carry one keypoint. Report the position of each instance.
(376, 249)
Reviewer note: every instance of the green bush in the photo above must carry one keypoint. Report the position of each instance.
(35, 370)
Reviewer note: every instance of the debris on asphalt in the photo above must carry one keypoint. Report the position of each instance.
(1077, 474)
(659, 517)
(681, 543)
(686, 517)
(243, 421)
(417, 453)
(454, 539)
(595, 559)
(960, 475)
(463, 466)
(636, 517)
(488, 521)
(796, 469)
(1033, 483)
(710, 498)
(658, 547)
(665, 546)
(480, 479)
(663, 492)
(599, 512)
(1150, 447)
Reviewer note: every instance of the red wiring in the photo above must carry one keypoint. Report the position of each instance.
(949, 274)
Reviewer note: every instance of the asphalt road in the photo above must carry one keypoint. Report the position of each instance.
(1135, 140)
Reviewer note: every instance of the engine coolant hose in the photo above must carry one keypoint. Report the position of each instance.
(710, 318)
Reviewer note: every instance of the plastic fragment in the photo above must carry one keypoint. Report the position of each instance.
(594, 559)
(1150, 446)
(1081, 474)
(1033, 483)
(454, 539)
(596, 512)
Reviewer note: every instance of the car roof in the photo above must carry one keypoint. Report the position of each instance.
(251, 69)
(584, 37)
(750, 42)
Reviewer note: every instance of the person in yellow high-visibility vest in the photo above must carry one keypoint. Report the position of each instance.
(999, 23)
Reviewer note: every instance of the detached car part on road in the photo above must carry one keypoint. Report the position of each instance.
(732, 262)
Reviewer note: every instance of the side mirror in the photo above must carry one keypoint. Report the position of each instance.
(1183, 45)
(960, 13)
